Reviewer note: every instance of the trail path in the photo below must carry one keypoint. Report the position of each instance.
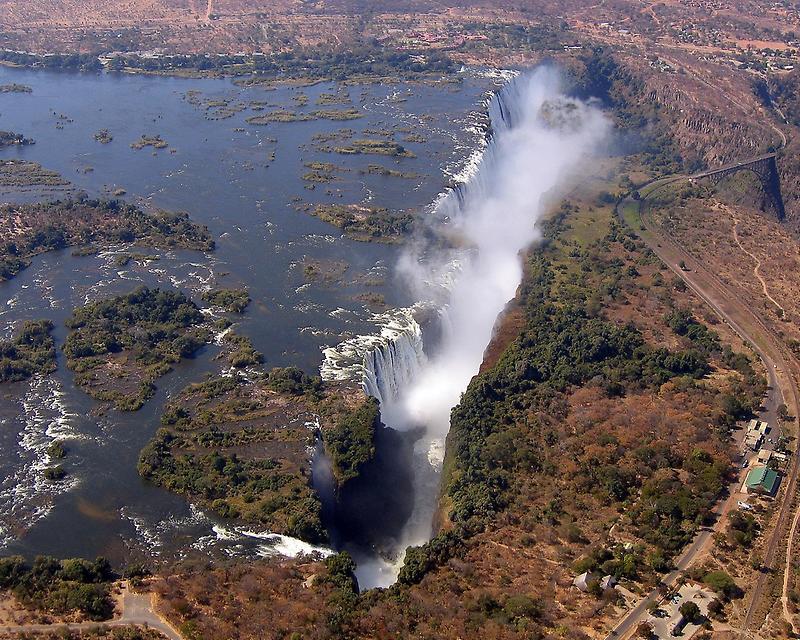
(755, 258)
(787, 572)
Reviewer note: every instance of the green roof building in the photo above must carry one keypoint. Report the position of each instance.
(762, 480)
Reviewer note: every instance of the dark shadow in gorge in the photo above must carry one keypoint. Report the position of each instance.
(368, 512)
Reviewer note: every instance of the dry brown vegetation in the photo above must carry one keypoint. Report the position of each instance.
(513, 578)
(755, 253)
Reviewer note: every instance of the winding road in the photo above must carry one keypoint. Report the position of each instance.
(782, 373)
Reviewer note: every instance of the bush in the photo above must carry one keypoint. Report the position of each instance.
(294, 381)
(716, 608)
(341, 570)
(232, 300)
(522, 606)
(743, 528)
(243, 353)
(60, 586)
(57, 450)
(723, 584)
(154, 327)
(32, 351)
(437, 551)
(690, 611)
(54, 474)
(80, 221)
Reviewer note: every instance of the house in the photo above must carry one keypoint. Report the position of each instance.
(764, 456)
(583, 580)
(758, 426)
(756, 431)
(608, 582)
(753, 440)
(762, 480)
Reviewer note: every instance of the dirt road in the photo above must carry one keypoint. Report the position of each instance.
(137, 610)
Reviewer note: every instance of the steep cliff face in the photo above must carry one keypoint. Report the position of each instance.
(789, 171)
(782, 93)
(706, 127)
(705, 115)
(367, 496)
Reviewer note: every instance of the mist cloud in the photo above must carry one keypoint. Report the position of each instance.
(540, 138)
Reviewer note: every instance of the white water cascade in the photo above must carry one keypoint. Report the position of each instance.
(540, 138)
(392, 365)
(385, 362)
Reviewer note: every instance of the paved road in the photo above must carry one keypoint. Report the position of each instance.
(638, 614)
(137, 609)
(782, 373)
(780, 377)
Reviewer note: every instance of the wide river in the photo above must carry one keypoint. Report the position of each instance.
(245, 183)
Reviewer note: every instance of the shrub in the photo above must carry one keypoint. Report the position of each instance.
(723, 584)
(31, 351)
(690, 611)
(232, 300)
(437, 551)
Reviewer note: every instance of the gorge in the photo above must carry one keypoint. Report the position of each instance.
(463, 270)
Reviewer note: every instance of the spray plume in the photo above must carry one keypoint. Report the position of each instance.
(539, 140)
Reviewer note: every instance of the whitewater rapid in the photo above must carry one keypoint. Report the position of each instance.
(539, 139)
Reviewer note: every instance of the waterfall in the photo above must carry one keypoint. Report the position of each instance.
(391, 365)
(539, 138)
(384, 362)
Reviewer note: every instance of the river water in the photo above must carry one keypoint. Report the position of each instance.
(223, 173)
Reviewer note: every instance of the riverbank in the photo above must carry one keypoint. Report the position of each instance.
(556, 455)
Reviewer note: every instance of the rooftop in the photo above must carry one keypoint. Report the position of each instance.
(762, 479)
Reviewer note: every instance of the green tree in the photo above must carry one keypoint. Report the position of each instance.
(690, 611)
(723, 584)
